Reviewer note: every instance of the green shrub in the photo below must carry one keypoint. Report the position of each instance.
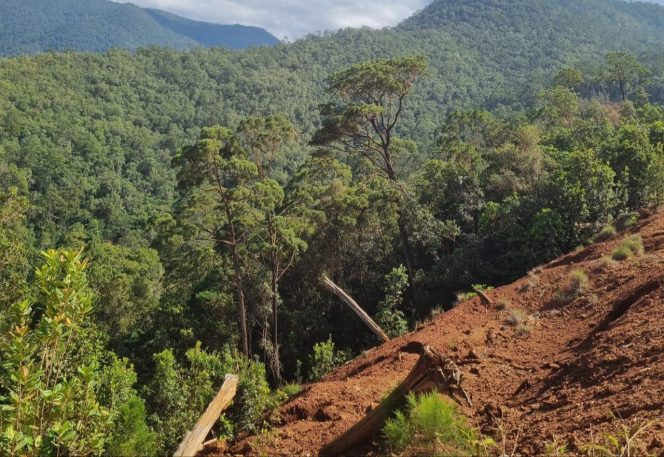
(576, 285)
(389, 317)
(630, 247)
(430, 424)
(61, 393)
(607, 233)
(132, 436)
(324, 359)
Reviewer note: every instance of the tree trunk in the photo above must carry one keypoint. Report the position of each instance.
(243, 319)
(407, 251)
(276, 362)
(403, 231)
(339, 292)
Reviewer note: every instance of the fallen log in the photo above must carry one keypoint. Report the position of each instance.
(432, 372)
(484, 298)
(193, 441)
(352, 304)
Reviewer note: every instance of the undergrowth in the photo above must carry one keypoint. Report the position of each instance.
(626, 441)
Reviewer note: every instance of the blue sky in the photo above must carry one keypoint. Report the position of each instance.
(292, 18)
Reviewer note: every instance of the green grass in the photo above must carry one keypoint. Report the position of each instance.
(630, 247)
(430, 425)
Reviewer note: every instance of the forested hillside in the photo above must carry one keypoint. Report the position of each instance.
(33, 26)
(210, 190)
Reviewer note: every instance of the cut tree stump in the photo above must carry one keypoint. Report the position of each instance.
(432, 372)
(339, 292)
(193, 441)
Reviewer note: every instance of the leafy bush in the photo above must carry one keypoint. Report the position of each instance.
(132, 436)
(61, 393)
(389, 317)
(630, 247)
(432, 425)
(324, 359)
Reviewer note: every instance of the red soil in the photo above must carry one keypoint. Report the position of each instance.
(586, 368)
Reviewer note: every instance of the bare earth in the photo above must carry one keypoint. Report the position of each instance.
(586, 368)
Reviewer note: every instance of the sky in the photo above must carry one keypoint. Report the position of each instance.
(292, 18)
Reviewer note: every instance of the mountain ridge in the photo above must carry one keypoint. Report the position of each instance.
(34, 26)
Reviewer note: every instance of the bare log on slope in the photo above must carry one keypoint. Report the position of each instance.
(352, 304)
(193, 441)
(484, 298)
(433, 372)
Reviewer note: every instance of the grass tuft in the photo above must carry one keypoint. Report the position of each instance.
(516, 317)
(607, 233)
(576, 286)
(430, 425)
(630, 247)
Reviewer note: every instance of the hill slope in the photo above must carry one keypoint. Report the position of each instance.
(32, 26)
(594, 364)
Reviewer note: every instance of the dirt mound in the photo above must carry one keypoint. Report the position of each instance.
(564, 369)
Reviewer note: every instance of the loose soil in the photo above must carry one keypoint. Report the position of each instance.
(572, 372)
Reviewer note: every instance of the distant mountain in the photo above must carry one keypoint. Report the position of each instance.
(32, 26)
(568, 20)
(209, 35)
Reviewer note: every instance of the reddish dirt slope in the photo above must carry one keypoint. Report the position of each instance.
(587, 367)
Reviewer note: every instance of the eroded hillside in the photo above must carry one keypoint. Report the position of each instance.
(535, 366)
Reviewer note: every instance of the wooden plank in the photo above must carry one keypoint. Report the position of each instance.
(433, 371)
(194, 439)
(339, 292)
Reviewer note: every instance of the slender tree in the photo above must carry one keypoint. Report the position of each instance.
(624, 70)
(220, 185)
(284, 221)
(372, 98)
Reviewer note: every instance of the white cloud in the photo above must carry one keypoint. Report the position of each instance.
(292, 18)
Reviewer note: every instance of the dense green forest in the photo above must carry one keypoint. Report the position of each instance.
(166, 216)
(32, 26)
